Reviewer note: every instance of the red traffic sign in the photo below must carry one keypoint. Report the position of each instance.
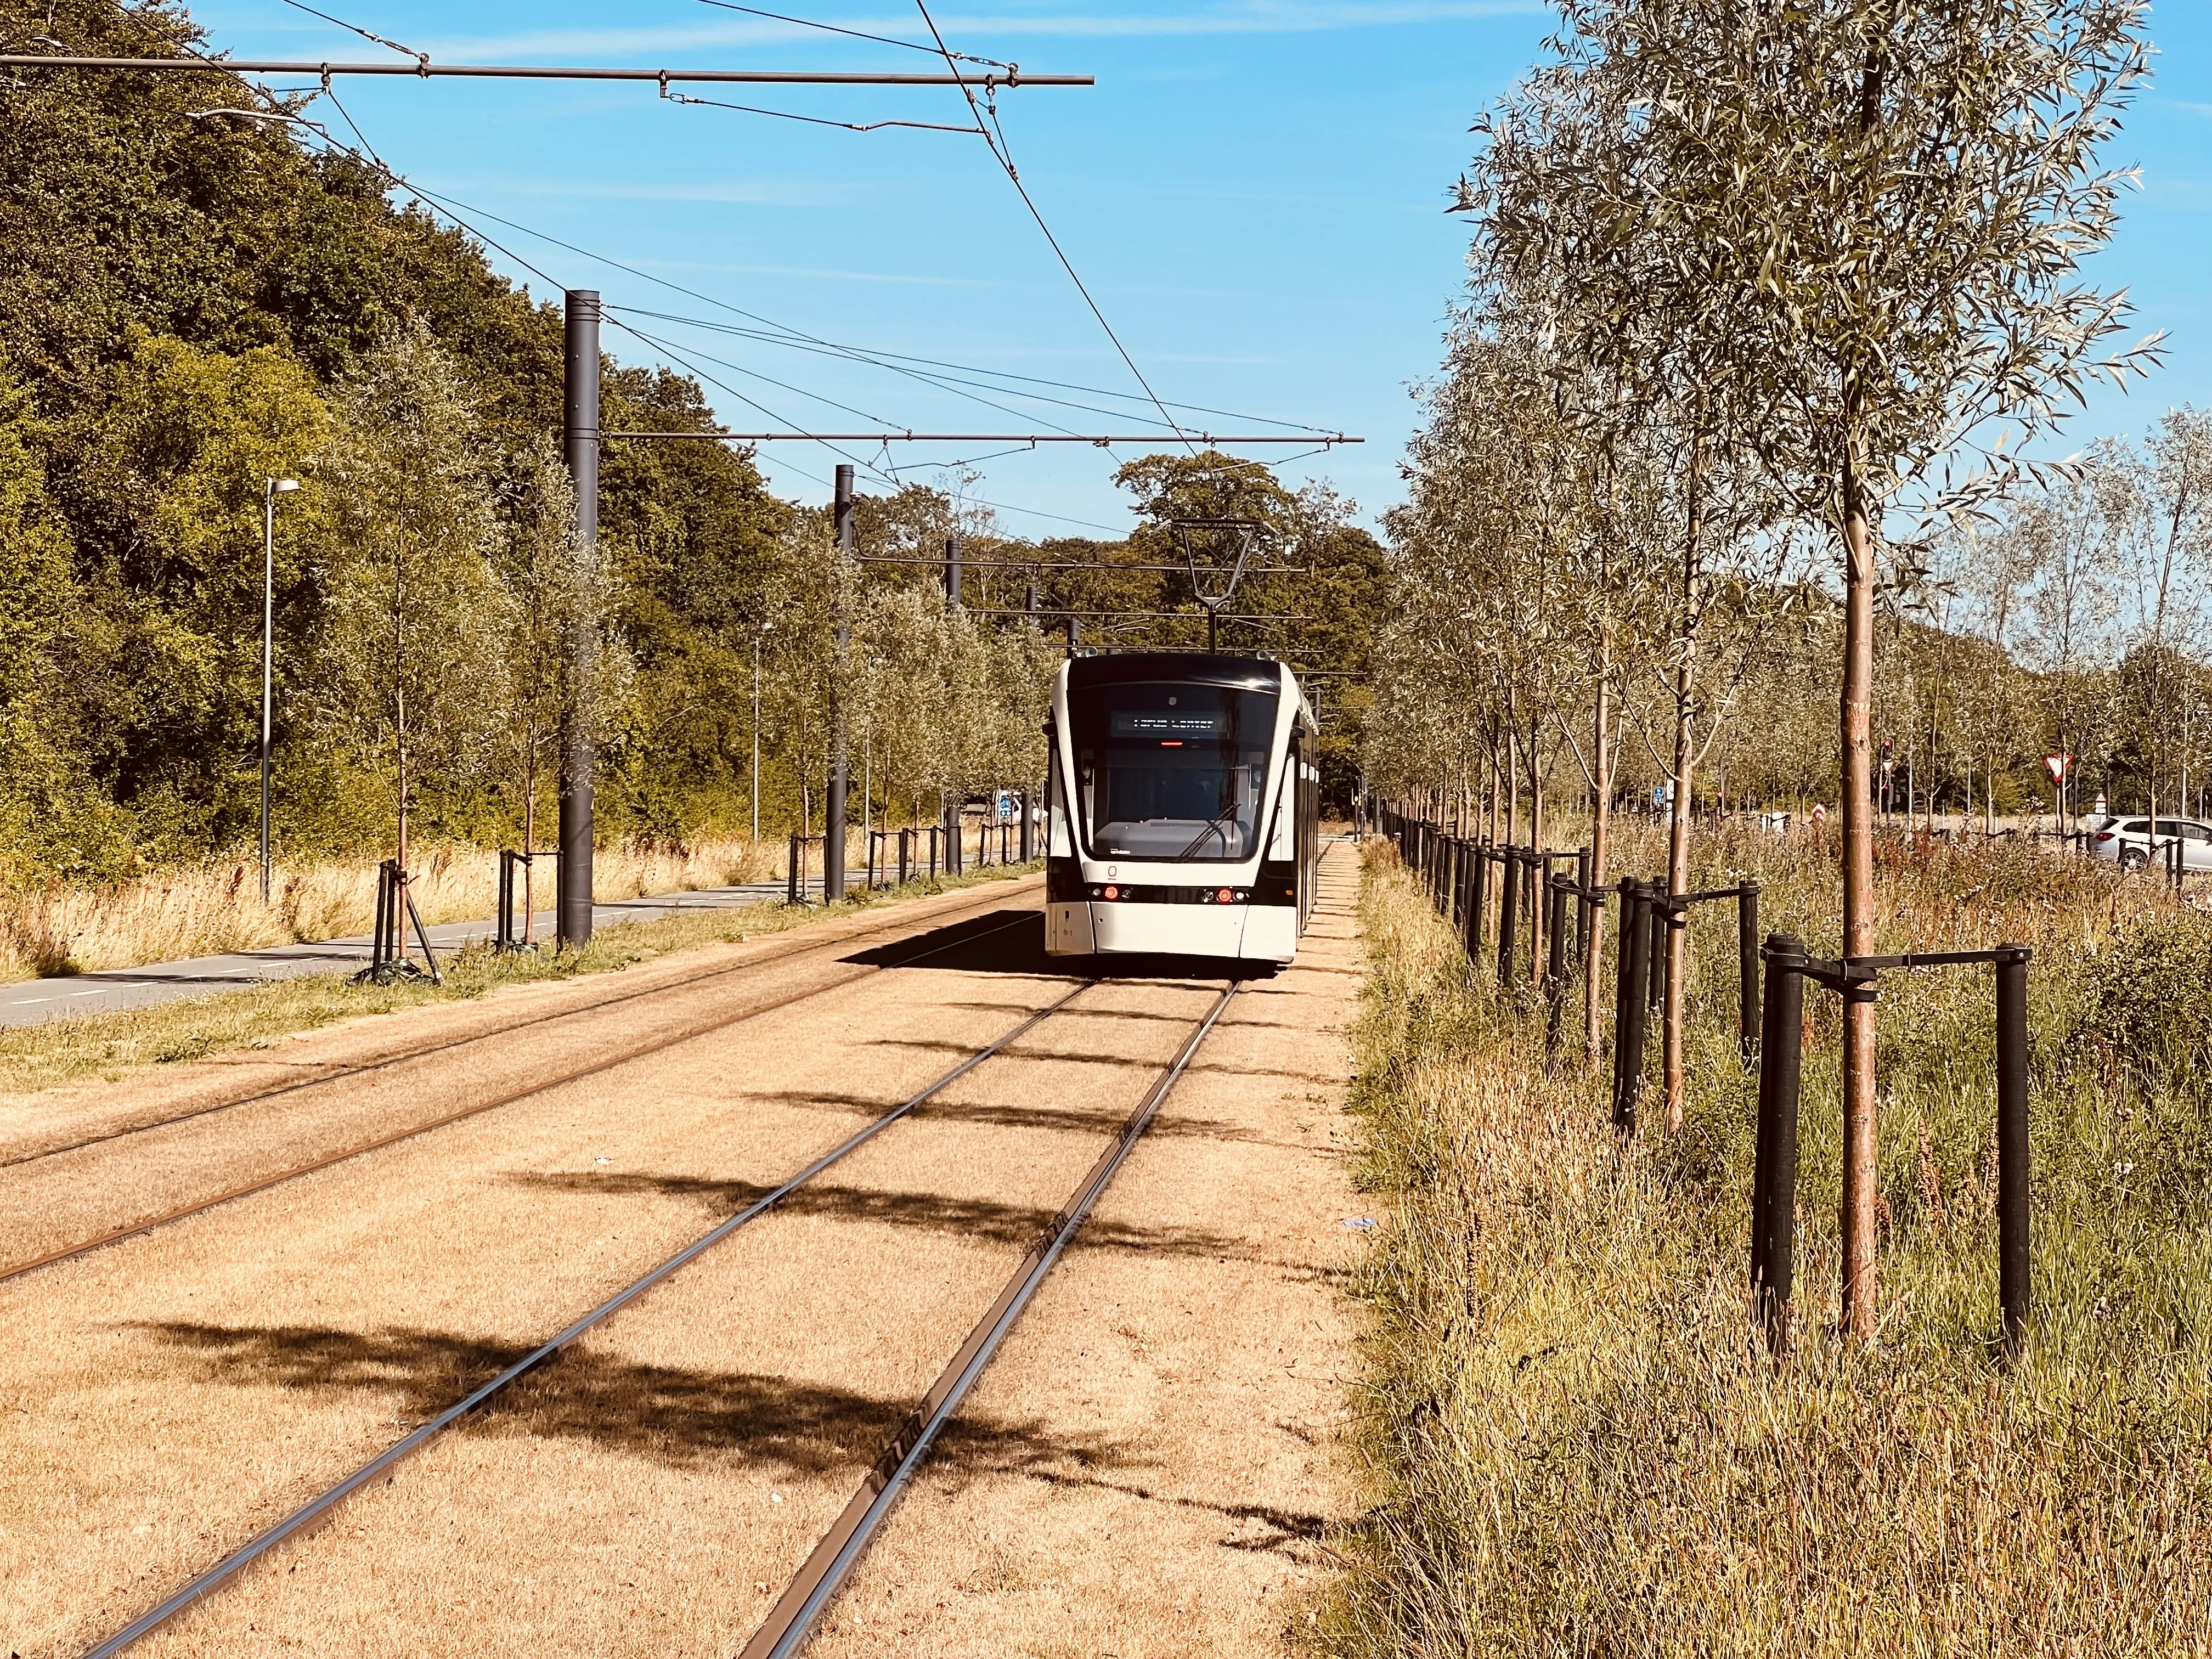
(2057, 766)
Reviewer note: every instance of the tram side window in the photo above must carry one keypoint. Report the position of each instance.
(1173, 772)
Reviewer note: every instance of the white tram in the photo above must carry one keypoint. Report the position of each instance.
(1184, 804)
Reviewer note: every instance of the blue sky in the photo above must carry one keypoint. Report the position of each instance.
(1253, 192)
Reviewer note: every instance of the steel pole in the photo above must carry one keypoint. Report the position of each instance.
(952, 573)
(757, 645)
(268, 657)
(832, 809)
(580, 363)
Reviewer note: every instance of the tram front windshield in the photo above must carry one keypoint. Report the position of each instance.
(1172, 772)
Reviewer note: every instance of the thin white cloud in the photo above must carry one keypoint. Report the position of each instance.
(810, 271)
(770, 194)
(969, 31)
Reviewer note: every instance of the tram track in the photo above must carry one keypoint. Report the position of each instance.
(447, 1048)
(819, 1578)
(569, 1076)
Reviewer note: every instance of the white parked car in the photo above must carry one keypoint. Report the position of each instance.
(2129, 842)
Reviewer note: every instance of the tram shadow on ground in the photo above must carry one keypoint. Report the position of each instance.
(1011, 941)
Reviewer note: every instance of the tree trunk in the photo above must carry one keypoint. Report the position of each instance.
(1600, 830)
(1512, 776)
(1678, 826)
(1537, 919)
(1861, 1291)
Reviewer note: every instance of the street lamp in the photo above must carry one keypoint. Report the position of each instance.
(274, 487)
(765, 628)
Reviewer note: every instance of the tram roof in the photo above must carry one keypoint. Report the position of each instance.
(1197, 668)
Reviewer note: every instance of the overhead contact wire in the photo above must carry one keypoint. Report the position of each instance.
(1004, 159)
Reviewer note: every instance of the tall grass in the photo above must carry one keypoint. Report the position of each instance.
(213, 907)
(1577, 1446)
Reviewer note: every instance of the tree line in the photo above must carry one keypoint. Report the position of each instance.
(1722, 479)
(191, 305)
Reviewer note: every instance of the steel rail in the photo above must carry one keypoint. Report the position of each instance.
(791, 1621)
(658, 1045)
(310, 1514)
(766, 958)
(428, 70)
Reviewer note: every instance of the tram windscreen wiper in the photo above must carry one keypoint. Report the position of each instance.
(1212, 829)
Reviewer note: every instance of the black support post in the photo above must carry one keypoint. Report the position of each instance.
(1582, 867)
(1747, 945)
(1479, 920)
(1555, 963)
(1509, 914)
(1655, 952)
(2013, 1176)
(580, 364)
(1628, 1006)
(1774, 1179)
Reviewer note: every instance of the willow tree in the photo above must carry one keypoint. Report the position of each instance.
(1889, 201)
(1569, 199)
(547, 595)
(405, 671)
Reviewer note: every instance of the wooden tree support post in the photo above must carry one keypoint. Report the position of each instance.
(1774, 1178)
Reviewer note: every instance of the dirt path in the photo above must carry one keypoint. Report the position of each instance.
(1146, 1469)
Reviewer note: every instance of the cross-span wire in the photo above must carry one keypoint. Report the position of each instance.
(871, 355)
(889, 477)
(887, 472)
(454, 206)
(782, 386)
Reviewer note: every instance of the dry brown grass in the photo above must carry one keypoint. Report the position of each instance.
(207, 909)
(1577, 1447)
(68, 1050)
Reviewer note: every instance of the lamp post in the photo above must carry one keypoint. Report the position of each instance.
(766, 628)
(271, 489)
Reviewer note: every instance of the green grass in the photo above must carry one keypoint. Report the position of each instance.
(1575, 1443)
(109, 1045)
